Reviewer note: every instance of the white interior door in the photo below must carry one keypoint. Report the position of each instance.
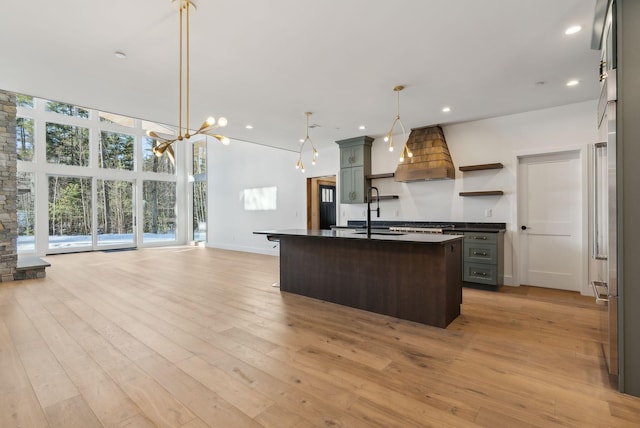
(550, 215)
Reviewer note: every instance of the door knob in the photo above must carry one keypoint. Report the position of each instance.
(523, 227)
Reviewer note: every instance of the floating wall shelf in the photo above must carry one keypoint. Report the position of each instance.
(481, 167)
(483, 193)
(384, 197)
(385, 175)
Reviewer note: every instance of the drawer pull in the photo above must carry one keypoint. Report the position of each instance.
(480, 273)
(479, 238)
(477, 253)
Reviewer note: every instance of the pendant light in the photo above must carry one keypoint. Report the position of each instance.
(299, 164)
(389, 137)
(210, 124)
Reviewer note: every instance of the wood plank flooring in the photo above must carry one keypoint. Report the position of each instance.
(197, 337)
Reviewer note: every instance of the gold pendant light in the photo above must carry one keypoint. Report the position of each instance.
(209, 125)
(389, 137)
(299, 164)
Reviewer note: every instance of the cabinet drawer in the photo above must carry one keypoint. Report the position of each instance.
(477, 252)
(481, 273)
(480, 237)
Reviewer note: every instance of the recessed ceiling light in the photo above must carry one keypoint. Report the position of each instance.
(573, 30)
(120, 55)
(573, 82)
(301, 140)
(446, 109)
(362, 127)
(249, 126)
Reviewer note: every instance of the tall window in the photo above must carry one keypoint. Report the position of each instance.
(104, 186)
(153, 163)
(115, 212)
(66, 109)
(26, 212)
(116, 150)
(69, 212)
(199, 191)
(159, 211)
(67, 144)
(24, 138)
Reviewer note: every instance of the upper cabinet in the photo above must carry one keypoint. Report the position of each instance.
(351, 156)
(355, 166)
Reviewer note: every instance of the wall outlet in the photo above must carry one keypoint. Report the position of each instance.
(396, 212)
(488, 212)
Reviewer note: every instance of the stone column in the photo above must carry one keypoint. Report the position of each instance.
(8, 190)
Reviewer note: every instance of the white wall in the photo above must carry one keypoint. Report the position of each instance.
(244, 165)
(492, 140)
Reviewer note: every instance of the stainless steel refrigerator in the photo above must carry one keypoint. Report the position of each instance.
(603, 265)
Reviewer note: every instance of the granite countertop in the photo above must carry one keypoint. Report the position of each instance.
(446, 226)
(376, 234)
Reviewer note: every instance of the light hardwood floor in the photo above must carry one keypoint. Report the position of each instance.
(195, 337)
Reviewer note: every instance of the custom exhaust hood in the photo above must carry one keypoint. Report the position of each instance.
(431, 158)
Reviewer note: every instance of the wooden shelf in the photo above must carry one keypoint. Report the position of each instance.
(481, 167)
(483, 193)
(385, 175)
(385, 197)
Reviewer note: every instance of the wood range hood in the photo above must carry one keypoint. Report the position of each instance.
(431, 158)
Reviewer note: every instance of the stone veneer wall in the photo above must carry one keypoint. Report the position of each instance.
(8, 190)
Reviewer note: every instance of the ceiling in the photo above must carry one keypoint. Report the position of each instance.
(265, 63)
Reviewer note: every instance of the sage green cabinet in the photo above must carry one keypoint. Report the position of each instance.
(484, 258)
(355, 166)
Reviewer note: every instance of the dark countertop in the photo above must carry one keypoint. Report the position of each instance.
(376, 234)
(447, 226)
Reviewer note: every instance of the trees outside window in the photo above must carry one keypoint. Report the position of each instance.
(98, 189)
(67, 144)
(159, 210)
(115, 212)
(116, 150)
(24, 138)
(69, 212)
(26, 211)
(199, 190)
(66, 109)
(153, 163)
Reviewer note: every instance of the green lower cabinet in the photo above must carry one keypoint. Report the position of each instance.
(480, 273)
(483, 259)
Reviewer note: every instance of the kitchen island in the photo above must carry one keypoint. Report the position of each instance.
(416, 277)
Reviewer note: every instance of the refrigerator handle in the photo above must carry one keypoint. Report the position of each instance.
(599, 164)
(599, 299)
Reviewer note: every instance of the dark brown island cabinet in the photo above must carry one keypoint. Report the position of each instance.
(416, 277)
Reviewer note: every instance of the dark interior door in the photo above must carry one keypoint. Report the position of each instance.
(327, 206)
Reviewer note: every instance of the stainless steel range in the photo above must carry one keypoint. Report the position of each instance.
(437, 228)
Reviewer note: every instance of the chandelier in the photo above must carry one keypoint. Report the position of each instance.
(164, 141)
(389, 137)
(299, 164)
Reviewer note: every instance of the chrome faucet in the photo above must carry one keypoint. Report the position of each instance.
(377, 210)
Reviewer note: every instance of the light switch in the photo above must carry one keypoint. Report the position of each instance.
(488, 212)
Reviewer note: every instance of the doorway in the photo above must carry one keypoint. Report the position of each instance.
(550, 220)
(321, 202)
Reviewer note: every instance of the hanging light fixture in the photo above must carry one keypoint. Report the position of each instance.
(164, 141)
(389, 137)
(299, 164)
